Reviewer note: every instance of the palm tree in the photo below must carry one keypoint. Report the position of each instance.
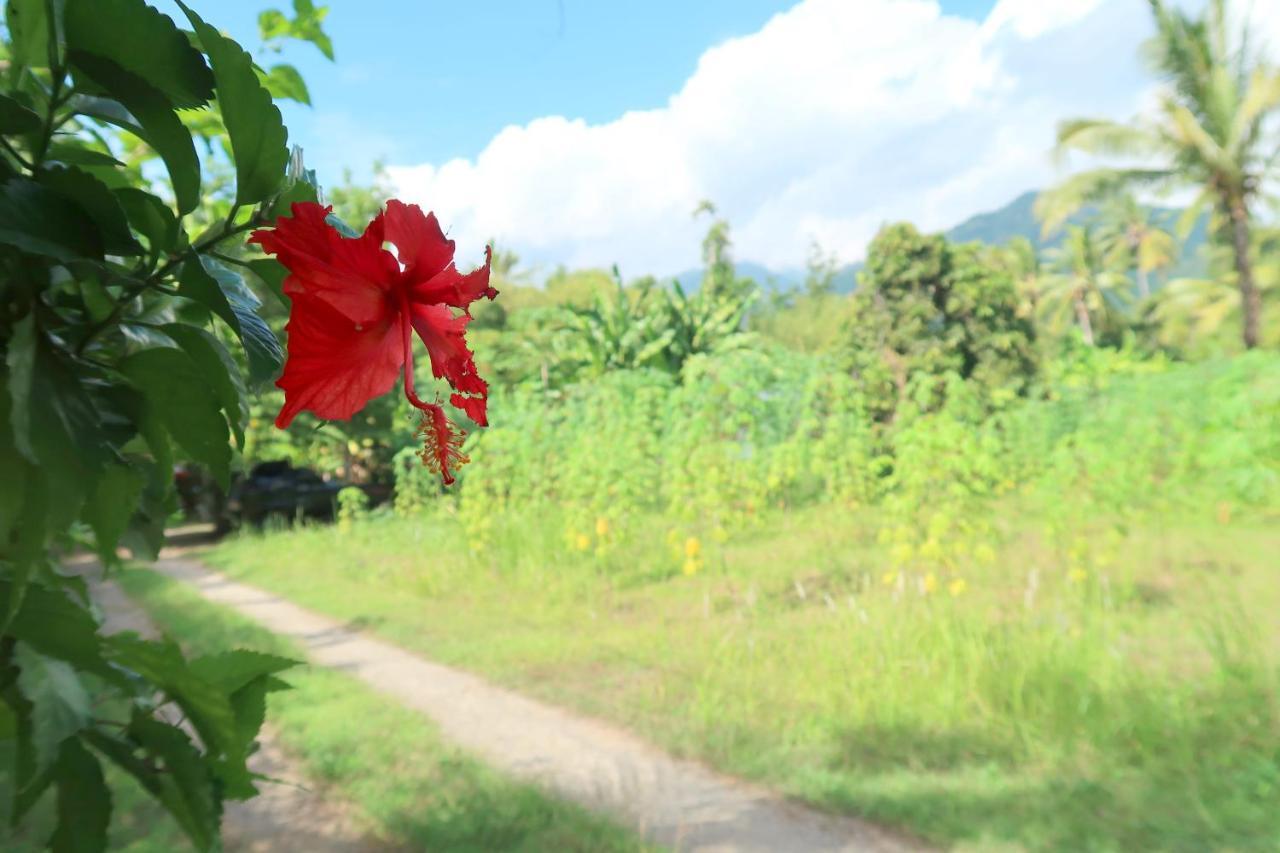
(1207, 131)
(1081, 281)
(1021, 259)
(1134, 240)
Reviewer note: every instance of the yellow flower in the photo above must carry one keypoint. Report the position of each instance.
(930, 550)
(692, 548)
(957, 587)
(691, 565)
(889, 578)
(930, 583)
(582, 542)
(1077, 575)
(602, 527)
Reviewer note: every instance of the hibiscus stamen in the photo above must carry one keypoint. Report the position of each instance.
(441, 443)
(441, 438)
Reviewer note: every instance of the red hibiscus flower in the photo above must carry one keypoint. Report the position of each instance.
(355, 307)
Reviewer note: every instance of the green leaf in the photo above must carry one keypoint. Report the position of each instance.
(153, 120)
(59, 700)
(224, 292)
(234, 669)
(271, 273)
(21, 361)
(110, 506)
(272, 24)
(55, 423)
(39, 221)
(28, 32)
(258, 136)
(283, 81)
(189, 410)
(343, 228)
(186, 788)
(206, 705)
(84, 803)
(219, 369)
(152, 218)
(298, 190)
(54, 625)
(307, 20)
(142, 41)
(16, 118)
(78, 155)
(95, 199)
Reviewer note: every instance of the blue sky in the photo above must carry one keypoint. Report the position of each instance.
(428, 80)
(585, 132)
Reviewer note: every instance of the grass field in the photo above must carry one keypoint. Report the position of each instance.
(1114, 688)
(411, 790)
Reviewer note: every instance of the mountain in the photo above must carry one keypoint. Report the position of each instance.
(995, 227)
(1017, 219)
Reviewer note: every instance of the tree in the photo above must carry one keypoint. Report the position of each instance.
(1209, 130)
(927, 309)
(821, 269)
(1082, 282)
(1132, 239)
(131, 337)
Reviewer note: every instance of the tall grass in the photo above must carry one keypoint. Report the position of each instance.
(1055, 627)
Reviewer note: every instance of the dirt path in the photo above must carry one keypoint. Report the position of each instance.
(671, 802)
(286, 816)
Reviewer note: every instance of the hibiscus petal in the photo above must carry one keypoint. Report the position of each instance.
(453, 288)
(420, 244)
(336, 366)
(352, 275)
(444, 335)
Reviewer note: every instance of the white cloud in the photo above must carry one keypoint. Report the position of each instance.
(836, 116)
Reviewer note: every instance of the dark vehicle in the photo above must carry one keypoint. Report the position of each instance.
(278, 489)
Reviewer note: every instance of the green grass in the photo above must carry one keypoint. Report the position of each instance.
(1117, 690)
(409, 787)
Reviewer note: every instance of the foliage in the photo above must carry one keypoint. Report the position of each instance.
(130, 338)
(927, 308)
(1209, 130)
(1050, 627)
(1085, 286)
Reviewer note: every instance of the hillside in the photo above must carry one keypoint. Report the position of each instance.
(995, 227)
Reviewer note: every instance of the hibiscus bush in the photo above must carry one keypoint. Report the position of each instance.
(131, 338)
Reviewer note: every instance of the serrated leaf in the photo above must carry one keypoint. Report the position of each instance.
(224, 292)
(259, 141)
(219, 369)
(206, 705)
(153, 120)
(95, 199)
(272, 273)
(186, 788)
(189, 409)
(59, 701)
(110, 506)
(54, 625)
(16, 118)
(152, 218)
(84, 803)
(284, 81)
(55, 424)
(234, 669)
(343, 228)
(144, 42)
(28, 32)
(39, 221)
(298, 190)
(78, 155)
